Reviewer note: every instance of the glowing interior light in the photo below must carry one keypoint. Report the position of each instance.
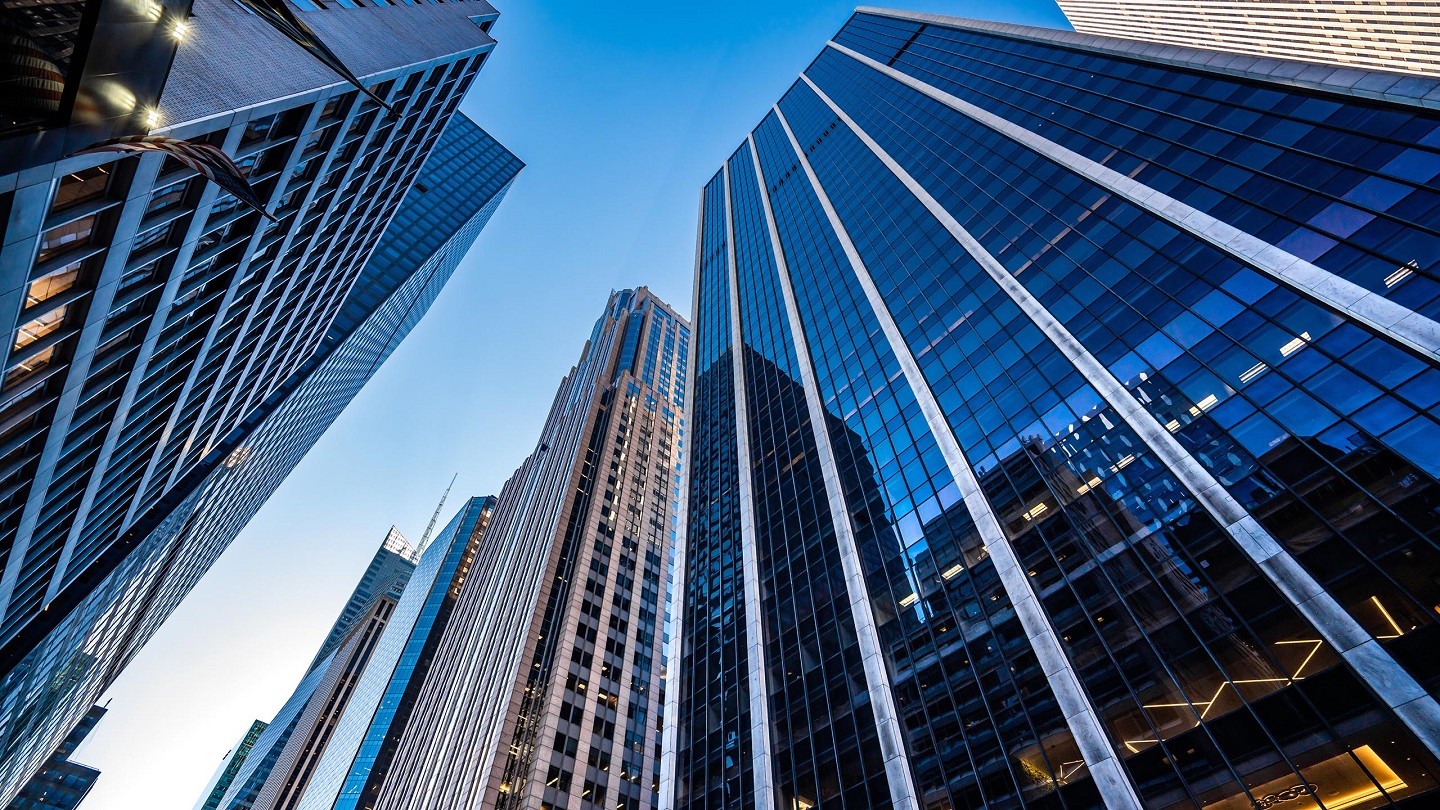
(1123, 463)
(1204, 404)
(1088, 485)
(152, 118)
(1401, 273)
(1295, 345)
(179, 30)
(1253, 372)
(1036, 511)
(1173, 425)
(952, 571)
(909, 600)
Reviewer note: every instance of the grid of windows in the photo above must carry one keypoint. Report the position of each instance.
(1208, 673)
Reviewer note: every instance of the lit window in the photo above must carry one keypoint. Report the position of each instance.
(40, 327)
(53, 283)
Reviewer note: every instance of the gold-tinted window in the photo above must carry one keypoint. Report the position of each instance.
(53, 283)
(70, 235)
(82, 186)
(40, 327)
(22, 371)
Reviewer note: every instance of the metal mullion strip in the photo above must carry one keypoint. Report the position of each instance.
(1380, 314)
(1090, 735)
(750, 573)
(670, 736)
(107, 283)
(877, 677)
(1391, 682)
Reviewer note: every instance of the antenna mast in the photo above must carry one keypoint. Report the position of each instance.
(425, 539)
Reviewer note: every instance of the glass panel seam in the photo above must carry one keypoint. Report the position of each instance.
(1401, 692)
(1080, 715)
(754, 629)
(675, 599)
(877, 677)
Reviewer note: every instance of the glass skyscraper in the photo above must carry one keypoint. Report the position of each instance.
(1398, 36)
(1063, 435)
(175, 354)
(229, 767)
(62, 783)
(547, 688)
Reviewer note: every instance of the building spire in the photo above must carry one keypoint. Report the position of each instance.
(425, 539)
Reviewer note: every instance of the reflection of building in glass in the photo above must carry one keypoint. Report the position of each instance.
(230, 766)
(175, 354)
(1125, 494)
(75, 72)
(62, 783)
(548, 685)
(1403, 36)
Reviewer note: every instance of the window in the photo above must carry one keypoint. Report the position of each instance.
(82, 186)
(24, 370)
(70, 235)
(40, 327)
(54, 282)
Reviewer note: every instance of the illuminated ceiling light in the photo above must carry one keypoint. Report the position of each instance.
(1401, 273)
(1204, 405)
(236, 457)
(179, 30)
(1253, 372)
(1173, 425)
(152, 118)
(1295, 345)
(1036, 511)
(953, 571)
(1123, 463)
(154, 10)
(909, 600)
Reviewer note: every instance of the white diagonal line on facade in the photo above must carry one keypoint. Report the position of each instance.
(1338, 294)
(877, 677)
(1391, 682)
(750, 560)
(1080, 716)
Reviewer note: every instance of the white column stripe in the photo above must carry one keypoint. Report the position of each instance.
(677, 597)
(877, 677)
(1090, 735)
(754, 621)
(1391, 682)
(1355, 302)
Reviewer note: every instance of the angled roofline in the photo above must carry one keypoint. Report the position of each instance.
(1395, 88)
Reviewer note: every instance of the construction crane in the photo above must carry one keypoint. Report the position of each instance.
(429, 530)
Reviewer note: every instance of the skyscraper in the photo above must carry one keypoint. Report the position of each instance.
(62, 783)
(229, 766)
(285, 755)
(547, 688)
(176, 354)
(357, 757)
(1403, 37)
(1063, 435)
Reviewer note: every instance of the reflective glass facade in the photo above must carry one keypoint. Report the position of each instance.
(1084, 456)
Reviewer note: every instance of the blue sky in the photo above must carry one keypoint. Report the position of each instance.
(621, 111)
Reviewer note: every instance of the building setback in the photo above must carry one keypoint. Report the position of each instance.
(285, 757)
(1063, 435)
(547, 688)
(176, 353)
(357, 757)
(1402, 37)
(62, 783)
(229, 766)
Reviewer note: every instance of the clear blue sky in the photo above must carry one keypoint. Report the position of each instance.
(621, 111)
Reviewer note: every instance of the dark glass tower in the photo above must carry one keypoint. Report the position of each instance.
(1064, 434)
(176, 353)
(230, 766)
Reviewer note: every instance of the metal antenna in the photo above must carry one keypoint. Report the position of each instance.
(425, 539)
